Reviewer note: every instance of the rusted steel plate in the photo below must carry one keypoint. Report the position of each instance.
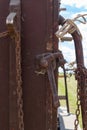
(37, 37)
(34, 31)
(4, 68)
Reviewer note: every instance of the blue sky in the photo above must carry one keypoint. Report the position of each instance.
(74, 7)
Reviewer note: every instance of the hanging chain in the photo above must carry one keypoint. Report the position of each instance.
(78, 101)
(19, 82)
(81, 77)
(18, 77)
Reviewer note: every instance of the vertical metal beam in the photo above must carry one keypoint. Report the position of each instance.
(37, 38)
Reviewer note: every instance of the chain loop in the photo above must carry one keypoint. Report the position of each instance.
(81, 77)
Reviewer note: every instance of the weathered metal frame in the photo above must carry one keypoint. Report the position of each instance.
(80, 63)
(46, 14)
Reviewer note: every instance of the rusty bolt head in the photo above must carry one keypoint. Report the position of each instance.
(44, 63)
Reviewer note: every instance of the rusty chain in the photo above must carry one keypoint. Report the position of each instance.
(18, 77)
(19, 82)
(81, 77)
(78, 102)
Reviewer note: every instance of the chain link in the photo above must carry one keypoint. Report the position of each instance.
(77, 110)
(19, 82)
(81, 77)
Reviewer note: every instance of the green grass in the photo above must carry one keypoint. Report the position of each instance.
(72, 87)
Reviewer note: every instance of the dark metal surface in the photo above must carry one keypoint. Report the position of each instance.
(39, 24)
(4, 68)
(37, 37)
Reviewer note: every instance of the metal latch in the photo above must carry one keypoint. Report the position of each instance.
(47, 64)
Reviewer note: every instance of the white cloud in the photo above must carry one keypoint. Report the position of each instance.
(76, 3)
(68, 51)
(66, 14)
(76, 13)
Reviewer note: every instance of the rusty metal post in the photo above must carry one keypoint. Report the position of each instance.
(39, 22)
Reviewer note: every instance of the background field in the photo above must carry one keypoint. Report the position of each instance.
(72, 87)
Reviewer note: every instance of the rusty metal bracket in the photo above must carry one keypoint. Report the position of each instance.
(47, 62)
(11, 24)
(13, 19)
